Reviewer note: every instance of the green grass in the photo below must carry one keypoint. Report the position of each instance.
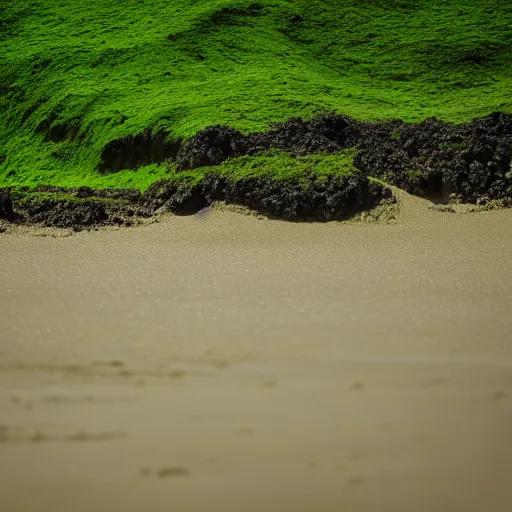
(276, 165)
(76, 74)
(137, 179)
(281, 166)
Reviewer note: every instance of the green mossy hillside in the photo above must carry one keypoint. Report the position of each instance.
(76, 75)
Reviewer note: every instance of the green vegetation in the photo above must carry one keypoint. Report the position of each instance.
(281, 166)
(69, 177)
(273, 165)
(76, 74)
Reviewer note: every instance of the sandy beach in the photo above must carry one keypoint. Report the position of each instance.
(226, 362)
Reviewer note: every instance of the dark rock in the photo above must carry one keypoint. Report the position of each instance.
(136, 151)
(49, 189)
(211, 146)
(125, 194)
(130, 194)
(6, 210)
(62, 213)
(158, 194)
(214, 187)
(336, 198)
(68, 208)
(84, 192)
(438, 159)
(182, 199)
(331, 198)
(327, 133)
(187, 200)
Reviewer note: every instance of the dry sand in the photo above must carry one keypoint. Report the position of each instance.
(227, 363)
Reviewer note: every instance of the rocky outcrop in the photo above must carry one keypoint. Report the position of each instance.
(469, 162)
(211, 146)
(6, 210)
(327, 133)
(333, 198)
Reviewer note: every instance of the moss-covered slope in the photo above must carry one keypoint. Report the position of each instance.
(76, 76)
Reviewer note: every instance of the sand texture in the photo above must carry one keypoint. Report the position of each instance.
(224, 362)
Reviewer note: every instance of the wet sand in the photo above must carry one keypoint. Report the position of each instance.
(224, 362)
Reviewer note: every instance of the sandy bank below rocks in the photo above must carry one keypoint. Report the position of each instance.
(225, 362)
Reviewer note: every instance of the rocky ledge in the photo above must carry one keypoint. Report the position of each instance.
(468, 163)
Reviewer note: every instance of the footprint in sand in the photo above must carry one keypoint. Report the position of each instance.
(20, 435)
(101, 436)
(173, 472)
(165, 472)
(220, 364)
(176, 374)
